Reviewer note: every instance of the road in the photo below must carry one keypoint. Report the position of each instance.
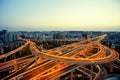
(113, 56)
(68, 54)
(61, 72)
(29, 74)
(57, 73)
(11, 63)
(14, 51)
(102, 50)
(98, 58)
(101, 74)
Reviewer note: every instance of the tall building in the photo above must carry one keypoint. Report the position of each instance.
(58, 36)
(5, 37)
(8, 37)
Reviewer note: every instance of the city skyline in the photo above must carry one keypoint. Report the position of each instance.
(63, 15)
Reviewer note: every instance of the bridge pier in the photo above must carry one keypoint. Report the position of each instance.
(84, 67)
(91, 69)
(15, 66)
(71, 75)
(20, 52)
(36, 56)
(14, 56)
(5, 59)
(111, 66)
(57, 78)
(1, 50)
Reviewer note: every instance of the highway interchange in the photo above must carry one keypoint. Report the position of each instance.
(64, 62)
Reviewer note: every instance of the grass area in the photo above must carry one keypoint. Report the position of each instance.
(93, 51)
(26, 52)
(53, 44)
(95, 69)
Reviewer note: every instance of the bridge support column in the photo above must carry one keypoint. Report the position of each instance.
(91, 69)
(5, 59)
(32, 52)
(64, 42)
(14, 56)
(71, 75)
(57, 78)
(20, 52)
(111, 66)
(36, 58)
(84, 67)
(15, 66)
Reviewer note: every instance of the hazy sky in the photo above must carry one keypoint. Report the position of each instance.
(46, 15)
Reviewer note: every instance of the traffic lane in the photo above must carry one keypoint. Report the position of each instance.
(38, 70)
(50, 76)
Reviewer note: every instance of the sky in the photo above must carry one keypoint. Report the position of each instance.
(60, 15)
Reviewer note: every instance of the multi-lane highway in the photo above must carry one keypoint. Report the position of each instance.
(14, 51)
(69, 53)
(113, 56)
(59, 72)
(62, 72)
(68, 57)
(48, 65)
(12, 63)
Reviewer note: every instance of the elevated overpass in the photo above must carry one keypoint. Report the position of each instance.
(100, 57)
(14, 51)
(113, 56)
